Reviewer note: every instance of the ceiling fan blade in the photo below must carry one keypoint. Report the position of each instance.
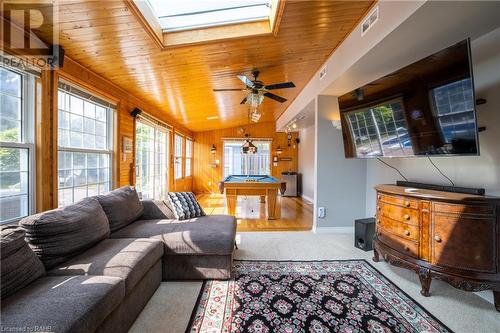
(275, 97)
(235, 89)
(244, 101)
(282, 85)
(246, 80)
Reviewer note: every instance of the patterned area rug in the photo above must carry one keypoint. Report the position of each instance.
(308, 296)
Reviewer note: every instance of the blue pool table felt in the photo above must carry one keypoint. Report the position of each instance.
(251, 178)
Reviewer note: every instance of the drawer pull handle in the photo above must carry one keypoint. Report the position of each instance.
(437, 238)
(379, 208)
(407, 233)
(407, 217)
(407, 204)
(407, 248)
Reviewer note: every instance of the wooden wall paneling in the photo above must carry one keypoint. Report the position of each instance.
(46, 141)
(206, 175)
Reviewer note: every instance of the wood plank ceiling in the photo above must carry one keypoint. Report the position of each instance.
(107, 38)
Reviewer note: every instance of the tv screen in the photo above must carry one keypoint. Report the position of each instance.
(424, 109)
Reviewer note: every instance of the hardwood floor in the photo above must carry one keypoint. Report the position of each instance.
(296, 214)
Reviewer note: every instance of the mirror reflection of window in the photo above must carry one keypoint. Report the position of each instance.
(380, 130)
(453, 105)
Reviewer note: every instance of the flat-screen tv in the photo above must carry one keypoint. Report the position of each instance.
(424, 109)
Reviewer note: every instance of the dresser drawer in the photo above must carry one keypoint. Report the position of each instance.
(398, 201)
(402, 245)
(406, 215)
(449, 208)
(404, 230)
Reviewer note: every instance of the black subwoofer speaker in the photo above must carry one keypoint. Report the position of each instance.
(364, 230)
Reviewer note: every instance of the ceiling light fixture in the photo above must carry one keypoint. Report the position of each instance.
(248, 147)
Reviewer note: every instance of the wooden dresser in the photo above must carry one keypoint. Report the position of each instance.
(440, 235)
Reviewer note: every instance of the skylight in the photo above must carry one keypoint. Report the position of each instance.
(177, 15)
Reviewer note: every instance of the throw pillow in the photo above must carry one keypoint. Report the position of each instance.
(185, 205)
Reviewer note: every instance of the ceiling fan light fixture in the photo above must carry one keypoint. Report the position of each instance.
(255, 116)
(255, 99)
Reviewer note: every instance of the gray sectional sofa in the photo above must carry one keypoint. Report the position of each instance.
(92, 266)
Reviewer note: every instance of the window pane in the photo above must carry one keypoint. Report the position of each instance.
(151, 161)
(10, 125)
(178, 157)
(87, 123)
(237, 163)
(15, 171)
(14, 183)
(187, 14)
(10, 82)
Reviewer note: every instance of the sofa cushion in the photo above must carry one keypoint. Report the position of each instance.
(129, 259)
(185, 205)
(19, 265)
(63, 304)
(122, 207)
(207, 235)
(59, 234)
(156, 210)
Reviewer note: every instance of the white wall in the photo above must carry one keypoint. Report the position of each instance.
(480, 171)
(306, 161)
(341, 182)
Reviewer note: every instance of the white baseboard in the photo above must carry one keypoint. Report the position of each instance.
(303, 196)
(334, 230)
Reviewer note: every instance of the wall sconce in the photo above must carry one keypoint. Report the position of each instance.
(213, 150)
(337, 124)
(279, 150)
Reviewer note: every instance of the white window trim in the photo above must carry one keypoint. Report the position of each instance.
(27, 138)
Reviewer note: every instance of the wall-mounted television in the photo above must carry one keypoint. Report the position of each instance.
(424, 109)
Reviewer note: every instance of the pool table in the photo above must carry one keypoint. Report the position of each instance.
(261, 185)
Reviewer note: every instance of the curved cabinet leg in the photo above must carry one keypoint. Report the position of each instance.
(424, 275)
(376, 257)
(496, 296)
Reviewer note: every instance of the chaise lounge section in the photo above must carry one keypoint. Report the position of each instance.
(194, 249)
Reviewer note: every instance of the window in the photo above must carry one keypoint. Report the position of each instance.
(237, 163)
(454, 106)
(177, 15)
(189, 157)
(151, 160)
(16, 145)
(381, 130)
(178, 157)
(85, 149)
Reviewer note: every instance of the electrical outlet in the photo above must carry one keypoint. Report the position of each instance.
(321, 212)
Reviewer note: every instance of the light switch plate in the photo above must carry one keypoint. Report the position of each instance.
(321, 212)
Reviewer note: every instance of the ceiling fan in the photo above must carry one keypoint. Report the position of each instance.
(257, 90)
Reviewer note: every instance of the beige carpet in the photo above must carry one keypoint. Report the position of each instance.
(170, 308)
